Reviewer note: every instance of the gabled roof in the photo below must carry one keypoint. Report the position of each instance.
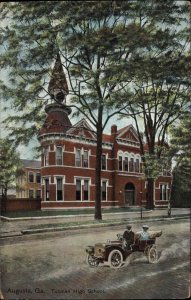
(82, 128)
(106, 138)
(128, 133)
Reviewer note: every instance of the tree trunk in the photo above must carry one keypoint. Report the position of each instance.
(1, 201)
(4, 200)
(150, 193)
(171, 192)
(98, 214)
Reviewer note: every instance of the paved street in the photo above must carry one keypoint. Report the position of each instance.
(53, 266)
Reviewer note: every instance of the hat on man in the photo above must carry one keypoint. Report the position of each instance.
(145, 226)
(129, 226)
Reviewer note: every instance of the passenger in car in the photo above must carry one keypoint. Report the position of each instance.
(144, 235)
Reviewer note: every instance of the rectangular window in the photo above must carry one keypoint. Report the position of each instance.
(85, 159)
(131, 165)
(46, 161)
(165, 197)
(126, 164)
(46, 189)
(38, 178)
(86, 190)
(38, 194)
(137, 165)
(120, 162)
(103, 162)
(163, 192)
(31, 177)
(141, 167)
(78, 158)
(31, 194)
(103, 191)
(78, 189)
(59, 186)
(59, 156)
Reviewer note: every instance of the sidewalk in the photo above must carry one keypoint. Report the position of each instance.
(23, 226)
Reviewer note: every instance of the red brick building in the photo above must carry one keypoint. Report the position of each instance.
(69, 158)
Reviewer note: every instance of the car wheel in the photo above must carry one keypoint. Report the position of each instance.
(152, 255)
(92, 261)
(146, 251)
(115, 259)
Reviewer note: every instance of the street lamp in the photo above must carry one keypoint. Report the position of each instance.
(141, 193)
(141, 202)
(169, 197)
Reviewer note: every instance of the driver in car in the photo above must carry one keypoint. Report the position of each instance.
(128, 237)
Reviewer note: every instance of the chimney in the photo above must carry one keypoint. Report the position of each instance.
(114, 129)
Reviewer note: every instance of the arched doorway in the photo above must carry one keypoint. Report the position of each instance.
(129, 194)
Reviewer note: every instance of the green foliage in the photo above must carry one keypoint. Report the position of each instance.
(10, 166)
(159, 72)
(181, 152)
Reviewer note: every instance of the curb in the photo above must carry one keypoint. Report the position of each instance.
(53, 229)
(69, 216)
(10, 234)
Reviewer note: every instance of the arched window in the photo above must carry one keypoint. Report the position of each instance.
(126, 162)
(137, 164)
(103, 161)
(85, 159)
(120, 161)
(78, 158)
(131, 164)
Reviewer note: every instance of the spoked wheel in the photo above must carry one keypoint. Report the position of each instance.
(92, 261)
(146, 251)
(115, 259)
(153, 255)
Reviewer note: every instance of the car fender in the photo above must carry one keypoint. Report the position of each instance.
(109, 248)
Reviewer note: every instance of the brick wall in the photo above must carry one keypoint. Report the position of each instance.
(20, 204)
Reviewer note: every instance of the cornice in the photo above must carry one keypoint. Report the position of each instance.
(72, 138)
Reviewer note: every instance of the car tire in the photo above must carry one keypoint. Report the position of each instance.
(92, 261)
(153, 255)
(115, 259)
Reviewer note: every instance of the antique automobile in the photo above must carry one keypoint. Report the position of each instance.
(115, 254)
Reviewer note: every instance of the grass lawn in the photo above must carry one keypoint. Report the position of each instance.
(37, 213)
(69, 224)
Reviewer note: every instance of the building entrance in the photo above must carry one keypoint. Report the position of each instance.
(129, 194)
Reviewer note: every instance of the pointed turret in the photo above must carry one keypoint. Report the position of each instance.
(58, 87)
(57, 120)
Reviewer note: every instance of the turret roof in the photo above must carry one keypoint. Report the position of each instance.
(58, 78)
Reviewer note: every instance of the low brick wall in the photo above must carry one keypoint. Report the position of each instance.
(73, 204)
(20, 204)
